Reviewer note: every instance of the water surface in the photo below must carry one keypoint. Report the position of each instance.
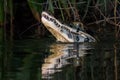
(35, 59)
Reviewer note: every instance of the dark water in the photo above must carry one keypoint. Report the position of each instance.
(48, 60)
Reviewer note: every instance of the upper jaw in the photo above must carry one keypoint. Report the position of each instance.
(44, 14)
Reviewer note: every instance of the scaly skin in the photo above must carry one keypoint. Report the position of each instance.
(63, 32)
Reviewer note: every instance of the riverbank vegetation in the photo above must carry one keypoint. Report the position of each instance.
(20, 19)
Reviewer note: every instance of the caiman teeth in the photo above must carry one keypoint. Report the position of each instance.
(66, 32)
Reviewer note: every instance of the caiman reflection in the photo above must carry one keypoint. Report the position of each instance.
(61, 56)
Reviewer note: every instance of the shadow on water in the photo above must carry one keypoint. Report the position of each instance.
(47, 60)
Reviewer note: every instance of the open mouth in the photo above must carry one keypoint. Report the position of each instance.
(49, 18)
(64, 29)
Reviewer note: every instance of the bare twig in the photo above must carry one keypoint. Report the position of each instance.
(64, 8)
(29, 28)
(37, 3)
(115, 10)
(103, 20)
